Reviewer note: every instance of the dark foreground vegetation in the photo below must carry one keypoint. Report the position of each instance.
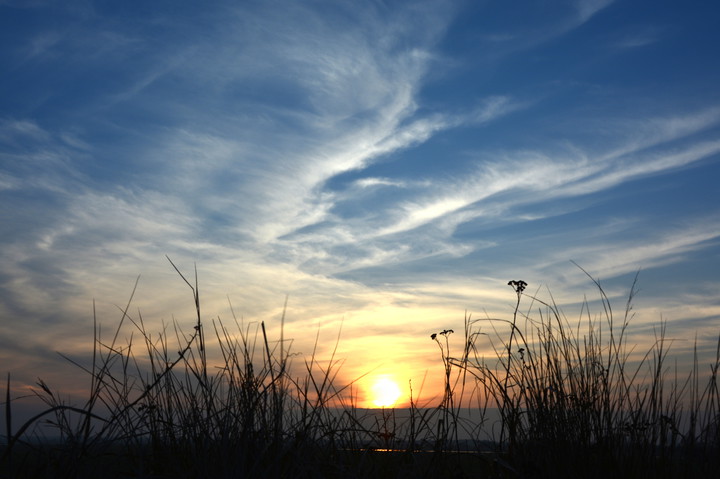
(573, 400)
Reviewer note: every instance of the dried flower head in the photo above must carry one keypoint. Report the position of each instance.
(444, 332)
(518, 286)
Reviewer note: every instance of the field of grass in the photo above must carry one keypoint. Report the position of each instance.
(572, 398)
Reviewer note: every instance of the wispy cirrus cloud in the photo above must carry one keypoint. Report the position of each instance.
(502, 182)
(395, 160)
(232, 158)
(618, 257)
(586, 9)
(639, 37)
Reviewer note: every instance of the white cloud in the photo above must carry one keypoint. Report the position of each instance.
(493, 108)
(13, 131)
(639, 38)
(497, 186)
(611, 259)
(586, 9)
(370, 182)
(222, 147)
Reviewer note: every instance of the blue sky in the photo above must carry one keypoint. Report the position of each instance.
(388, 165)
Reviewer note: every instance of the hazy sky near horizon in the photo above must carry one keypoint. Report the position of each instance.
(387, 165)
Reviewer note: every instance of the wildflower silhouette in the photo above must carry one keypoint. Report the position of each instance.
(518, 286)
(444, 332)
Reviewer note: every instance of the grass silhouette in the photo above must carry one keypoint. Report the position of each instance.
(571, 399)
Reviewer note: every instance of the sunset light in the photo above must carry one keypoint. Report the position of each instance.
(385, 392)
(301, 220)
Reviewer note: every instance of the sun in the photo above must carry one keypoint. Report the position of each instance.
(385, 392)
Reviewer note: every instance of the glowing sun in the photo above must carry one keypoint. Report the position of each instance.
(385, 392)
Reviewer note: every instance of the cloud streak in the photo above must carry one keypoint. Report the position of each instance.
(499, 186)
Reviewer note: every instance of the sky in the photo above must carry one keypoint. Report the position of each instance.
(386, 166)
